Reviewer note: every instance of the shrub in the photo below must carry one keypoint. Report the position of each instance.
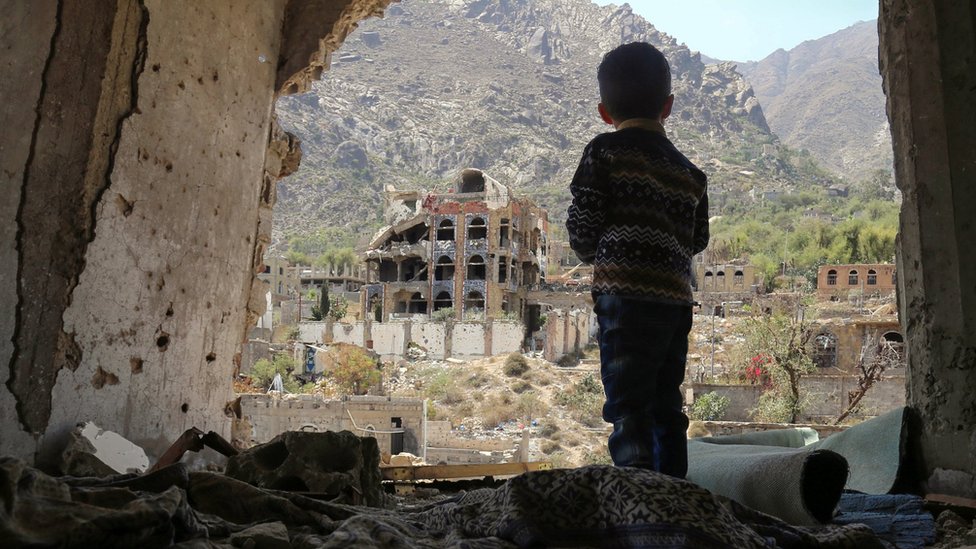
(497, 410)
(568, 360)
(515, 365)
(443, 315)
(357, 372)
(598, 456)
(585, 400)
(529, 405)
(264, 370)
(338, 306)
(549, 447)
(548, 429)
(709, 407)
(521, 386)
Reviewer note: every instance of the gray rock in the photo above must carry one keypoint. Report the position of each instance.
(94, 452)
(340, 464)
(270, 535)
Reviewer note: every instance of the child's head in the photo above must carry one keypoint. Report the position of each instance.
(635, 82)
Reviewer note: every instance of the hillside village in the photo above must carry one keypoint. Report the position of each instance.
(475, 331)
(293, 274)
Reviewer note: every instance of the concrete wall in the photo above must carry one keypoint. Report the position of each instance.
(388, 339)
(430, 336)
(824, 397)
(440, 339)
(468, 340)
(929, 70)
(506, 337)
(139, 162)
(566, 333)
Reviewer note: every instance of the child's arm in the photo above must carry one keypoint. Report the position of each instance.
(585, 219)
(701, 224)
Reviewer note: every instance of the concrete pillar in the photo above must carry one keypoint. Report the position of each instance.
(139, 157)
(928, 61)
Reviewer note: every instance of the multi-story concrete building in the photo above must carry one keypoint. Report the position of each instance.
(475, 249)
(281, 277)
(870, 279)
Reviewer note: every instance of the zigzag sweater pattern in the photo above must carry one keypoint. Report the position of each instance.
(639, 214)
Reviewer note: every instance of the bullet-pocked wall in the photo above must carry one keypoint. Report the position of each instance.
(929, 69)
(139, 158)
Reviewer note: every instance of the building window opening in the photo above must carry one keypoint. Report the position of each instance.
(443, 300)
(503, 233)
(415, 234)
(852, 278)
(472, 181)
(891, 349)
(709, 280)
(401, 307)
(872, 277)
(445, 231)
(477, 230)
(720, 279)
(476, 268)
(502, 270)
(417, 305)
(825, 350)
(444, 269)
(414, 270)
(530, 273)
(738, 278)
(831, 277)
(388, 271)
(474, 303)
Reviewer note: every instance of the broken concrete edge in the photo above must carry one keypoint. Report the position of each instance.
(93, 451)
(305, 54)
(123, 63)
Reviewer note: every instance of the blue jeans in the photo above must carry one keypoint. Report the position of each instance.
(643, 349)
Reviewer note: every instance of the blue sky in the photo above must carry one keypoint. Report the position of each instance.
(749, 30)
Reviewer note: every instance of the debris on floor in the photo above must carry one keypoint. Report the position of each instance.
(92, 451)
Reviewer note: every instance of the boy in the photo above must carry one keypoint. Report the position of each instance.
(639, 214)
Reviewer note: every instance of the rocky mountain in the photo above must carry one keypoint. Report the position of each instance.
(825, 96)
(507, 86)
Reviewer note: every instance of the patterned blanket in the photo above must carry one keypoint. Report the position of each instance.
(594, 506)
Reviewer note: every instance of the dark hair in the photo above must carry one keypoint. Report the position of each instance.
(635, 81)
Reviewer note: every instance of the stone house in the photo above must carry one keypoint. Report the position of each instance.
(730, 279)
(475, 249)
(838, 346)
(876, 279)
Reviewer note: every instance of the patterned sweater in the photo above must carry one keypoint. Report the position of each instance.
(639, 213)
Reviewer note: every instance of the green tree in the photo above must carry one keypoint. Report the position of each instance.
(338, 307)
(357, 372)
(779, 343)
(264, 370)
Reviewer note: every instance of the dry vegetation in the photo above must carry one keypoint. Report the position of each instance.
(497, 396)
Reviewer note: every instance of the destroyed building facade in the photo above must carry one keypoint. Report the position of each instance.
(141, 156)
(475, 249)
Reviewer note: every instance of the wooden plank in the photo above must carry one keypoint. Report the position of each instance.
(954, 501)
(468, 470)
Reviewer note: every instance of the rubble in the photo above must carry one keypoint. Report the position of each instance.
(92, 451)
(337, 464)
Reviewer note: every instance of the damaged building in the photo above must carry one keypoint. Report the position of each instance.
(474, 250)
(140, 156)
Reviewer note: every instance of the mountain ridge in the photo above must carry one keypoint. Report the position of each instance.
(509, 87)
